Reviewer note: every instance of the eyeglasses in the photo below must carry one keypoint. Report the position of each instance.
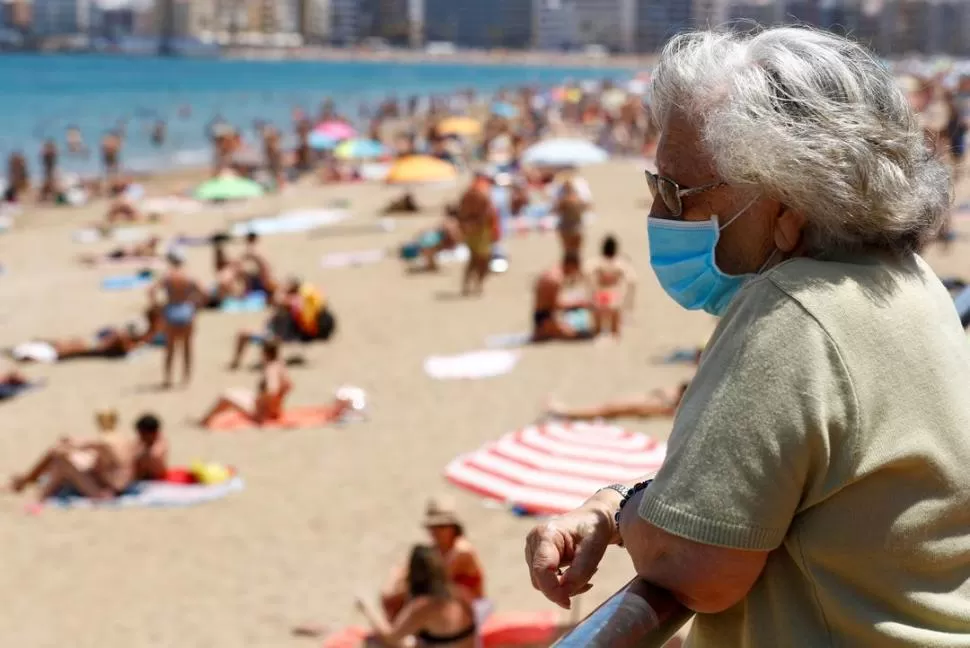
(672, 194)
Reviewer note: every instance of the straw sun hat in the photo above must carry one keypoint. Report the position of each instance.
(441, 511)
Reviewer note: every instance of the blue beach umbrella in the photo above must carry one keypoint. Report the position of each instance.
(360, 149)
(564, 152)
(322, 142)
(505, 110)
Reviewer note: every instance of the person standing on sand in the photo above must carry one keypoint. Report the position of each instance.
(614, 282)
(183, 298)
(18, 178)
(273, 153)
(110, 155)
(48, 163)
(479, 224)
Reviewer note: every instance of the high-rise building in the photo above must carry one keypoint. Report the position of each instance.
(556, 25)
(658, 20)
(387, 19)
(344, 21)
(185, 18)
(480, 25)
(315, 20)
(59, 17)
(15, 15)
(565, 24)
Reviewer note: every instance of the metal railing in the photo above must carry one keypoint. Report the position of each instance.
(640, 615)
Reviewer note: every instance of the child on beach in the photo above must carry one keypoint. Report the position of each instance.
(614, 281)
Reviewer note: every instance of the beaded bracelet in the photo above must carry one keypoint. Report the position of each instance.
(626, 498)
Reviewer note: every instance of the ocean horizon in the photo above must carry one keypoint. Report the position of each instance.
(47, 94)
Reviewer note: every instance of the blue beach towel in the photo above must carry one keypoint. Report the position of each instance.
(128, 281)
(681, 356)
(509, 340)
(289, 223)
(9, 391)
(251, 303)
(153, 494)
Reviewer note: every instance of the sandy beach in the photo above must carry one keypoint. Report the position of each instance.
(326, 512)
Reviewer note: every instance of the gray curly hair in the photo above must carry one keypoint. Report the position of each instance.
(816, 122)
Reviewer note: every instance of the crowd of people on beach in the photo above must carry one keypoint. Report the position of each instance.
(438, 595)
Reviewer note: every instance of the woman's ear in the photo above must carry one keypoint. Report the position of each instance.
(788, 230)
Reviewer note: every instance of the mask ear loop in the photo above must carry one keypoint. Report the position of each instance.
(771, 257)
(740, 213)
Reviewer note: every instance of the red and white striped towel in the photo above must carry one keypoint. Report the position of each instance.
(553, 467)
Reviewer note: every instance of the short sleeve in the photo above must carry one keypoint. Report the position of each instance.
(752, 432)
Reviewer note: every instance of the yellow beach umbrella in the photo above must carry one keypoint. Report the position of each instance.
(415, 169)
(459, 126)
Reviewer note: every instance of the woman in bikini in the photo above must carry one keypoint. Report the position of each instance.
(614, 282)
(660, 403)
(184, 297)
(570, 209)
(266, 403)
(462, 564)
(109, 343)
(435, 613)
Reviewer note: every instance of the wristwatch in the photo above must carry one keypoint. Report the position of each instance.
(627, 494)
(619, 488)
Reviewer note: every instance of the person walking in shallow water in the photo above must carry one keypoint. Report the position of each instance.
(183, 298)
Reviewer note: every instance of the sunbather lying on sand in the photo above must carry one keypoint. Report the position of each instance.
(658, 403)
(111, 342)
(101, 468)
(264, 404)
(429, 243)
(146, 250)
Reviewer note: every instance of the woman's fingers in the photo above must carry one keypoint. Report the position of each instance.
(547, 555)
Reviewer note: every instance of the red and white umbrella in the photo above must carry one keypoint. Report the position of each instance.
(553, 467)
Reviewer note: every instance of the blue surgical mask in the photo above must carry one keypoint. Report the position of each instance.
(682, 256)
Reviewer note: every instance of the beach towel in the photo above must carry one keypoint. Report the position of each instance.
(509, 340)
(353, 259)
(34, 352)
(290, 222)
(9, 391)
(119, 234)
(170, 205)
(127, 281)
(251, 303)
(154, 494)
(192, 241)
(127, 261)
(506, 630)
(293, 419)
(471, 366)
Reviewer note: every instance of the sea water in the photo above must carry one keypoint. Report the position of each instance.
(43, 95)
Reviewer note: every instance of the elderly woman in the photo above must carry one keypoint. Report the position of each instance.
(815, 491)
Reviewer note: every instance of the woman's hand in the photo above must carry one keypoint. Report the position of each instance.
(575, 542)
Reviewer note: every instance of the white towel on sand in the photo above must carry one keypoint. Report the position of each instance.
(471, 366)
